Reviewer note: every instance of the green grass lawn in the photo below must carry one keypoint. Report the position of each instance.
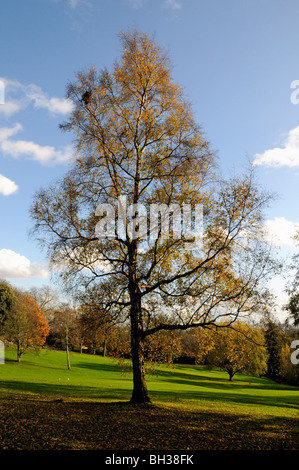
(45, 406)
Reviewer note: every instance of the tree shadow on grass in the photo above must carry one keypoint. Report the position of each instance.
(99, 392)
(225, 398)
(221, 390)
(68, 391)
(111, 367)
(239, 381)
(45, 424)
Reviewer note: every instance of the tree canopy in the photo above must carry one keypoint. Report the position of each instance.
(241, 348)
(25, 326)
(7, 300)
(137, 145)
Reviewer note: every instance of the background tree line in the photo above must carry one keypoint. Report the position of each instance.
(38, 318)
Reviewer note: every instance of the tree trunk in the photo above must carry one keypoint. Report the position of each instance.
(67, 349)
(140, 392)
(231, 374)
(68, 357)
(105, 348)
(19, 353)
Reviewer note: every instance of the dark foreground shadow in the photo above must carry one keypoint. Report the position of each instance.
(67, 391)
(49, 424)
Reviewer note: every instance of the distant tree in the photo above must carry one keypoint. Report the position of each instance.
(292, 307)
(95, 334)
(289, 372)
(96, 319)
(164, 347)
(7, 300)
(119, 343)
(46, 298)
(233, 350)
(274, 337)
(189, 346)
(25, 325)
(66, 328)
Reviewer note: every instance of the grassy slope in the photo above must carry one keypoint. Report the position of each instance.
(45, 406)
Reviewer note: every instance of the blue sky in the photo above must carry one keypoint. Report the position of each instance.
(236, 60)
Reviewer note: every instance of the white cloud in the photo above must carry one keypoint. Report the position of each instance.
(9, 108)
(6, 132)
(7, 186)
(16, 266)
(41, 100)
(287, 155)
(278, 287)
(43, 154)
(46, 155)
(88, 260)
(32, 94)
(136, 3)
(26, 94)
(281, 232)
(173, 4)
(74, 3)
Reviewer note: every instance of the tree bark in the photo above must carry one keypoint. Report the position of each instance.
(19, 352)
(140, 392)
(231, 375)
(67, 349)
(105, 347)
(68, 358)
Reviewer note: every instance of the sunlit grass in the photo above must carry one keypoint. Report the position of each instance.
(192, 406)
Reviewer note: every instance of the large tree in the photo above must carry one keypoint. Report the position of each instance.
(138, 146)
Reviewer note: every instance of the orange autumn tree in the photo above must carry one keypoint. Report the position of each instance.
(41, 329)
(25, 325)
